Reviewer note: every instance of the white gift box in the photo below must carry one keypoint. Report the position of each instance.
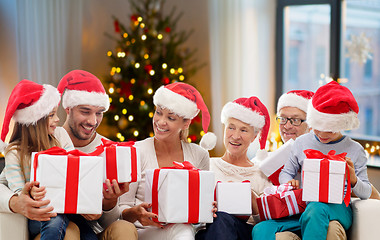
(272, 165)
(71, 186)
(174, 193)
(234, 198)
(121, 163)
(311, 175)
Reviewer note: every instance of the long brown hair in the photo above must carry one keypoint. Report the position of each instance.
(26, 139)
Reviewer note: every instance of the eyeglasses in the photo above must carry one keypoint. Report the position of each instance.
(293, 121)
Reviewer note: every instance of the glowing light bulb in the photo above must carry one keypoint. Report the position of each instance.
(180, 70)
(133, 81)
(159, 36)
(116, 117)
(139, 19)
(150, 91)
(137, 65)
(181, 78)
(164, 65)
(151, 72)
(172, 70)
(151, 114)
(130, 97)
(124, 111)
(135, 133)
(130, 118)
(121, 99)
(125, 35)
(143, 37)
(111, 90)
(109, 53)
(142, 103)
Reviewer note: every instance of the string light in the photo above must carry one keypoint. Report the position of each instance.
(143, 37)
(125, 35)
(124, 111)
(122, 138)
(118, 70)
(151, 134)
(130, 118)
(151, 72)
(151, 114)
(142, 25)
(130, 97)
(121, 99)
(133, 81)
(111, 90)
(139, 19)
(150, 91)
(146, 56)
(133, 40)
(142, 102)
(164, 66)
(180, 70)
(121, 54)
(159, 36)
(135, 133)
(172, 70)
(189, 140)
(110, 99)
(118, 135)
(109, 53)
(116, 117)
(202, 133)
(181, 78)
(137, 65)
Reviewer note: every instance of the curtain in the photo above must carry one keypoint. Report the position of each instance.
(49, 39)
(242, 40)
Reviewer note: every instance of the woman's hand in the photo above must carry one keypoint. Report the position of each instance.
(141, 214)
(111, 193)
(37, 192)
(214, 208)
(351, 168)
(294, 183)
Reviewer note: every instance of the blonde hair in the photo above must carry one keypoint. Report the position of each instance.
(26, 139)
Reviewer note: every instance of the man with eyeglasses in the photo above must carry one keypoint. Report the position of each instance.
(291, 118)
(291, 114)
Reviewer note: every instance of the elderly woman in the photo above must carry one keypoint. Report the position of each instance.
(243, 119)
(176, 104)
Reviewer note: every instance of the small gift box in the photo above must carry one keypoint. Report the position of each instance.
(182, 194)
(234, 198)
(323, 177)
(73, 180)
(280, 201)
(121, 161)
(274, 163)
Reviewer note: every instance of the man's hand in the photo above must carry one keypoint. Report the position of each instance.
(30, 208)
(112, 192)
(141, 214)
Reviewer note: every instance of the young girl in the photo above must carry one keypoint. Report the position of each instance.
(33, 107)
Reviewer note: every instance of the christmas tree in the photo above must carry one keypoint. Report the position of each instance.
(149, 53)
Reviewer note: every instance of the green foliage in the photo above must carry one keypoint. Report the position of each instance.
(149, 53)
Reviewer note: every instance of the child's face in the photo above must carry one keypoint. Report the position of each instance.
(52, 120)
(326, 137)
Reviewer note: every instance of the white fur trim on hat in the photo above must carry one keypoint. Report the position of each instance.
(3, 146)
(244, 114)
(208, 141)
(45, 104)
(292, 100)
(177, 103)
(72, 98)
(331, 122)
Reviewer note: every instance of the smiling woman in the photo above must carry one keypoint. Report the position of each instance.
(242, 119)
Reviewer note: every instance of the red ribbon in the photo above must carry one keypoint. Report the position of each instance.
(72, 174)
(325, 170)
(111, 161)
(194, 191)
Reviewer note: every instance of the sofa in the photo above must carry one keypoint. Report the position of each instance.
(365, 212)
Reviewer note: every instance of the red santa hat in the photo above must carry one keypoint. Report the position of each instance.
(82, 88)
(253, 112)
(28, 103)
(333, 109)
(185, 101)
(296, 98)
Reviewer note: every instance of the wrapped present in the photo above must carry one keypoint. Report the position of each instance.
(274, 163)
(73, 180)
(122, 161)
(324, 177)
(280, 201)
(234, 198)
(182, 194)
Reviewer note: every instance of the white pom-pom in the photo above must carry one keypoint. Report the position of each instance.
(261, 154)
(208, 141)
(3, 145)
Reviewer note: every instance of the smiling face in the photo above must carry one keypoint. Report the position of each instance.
(289, 131)
(52, 120)
(238, 136)
(82, 122)
(326, 137)
(167, 125)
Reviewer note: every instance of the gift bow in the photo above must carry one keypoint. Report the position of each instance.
(194, 189)
(108, 143)
(72, 174)
(282, 189)
(324, 172)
